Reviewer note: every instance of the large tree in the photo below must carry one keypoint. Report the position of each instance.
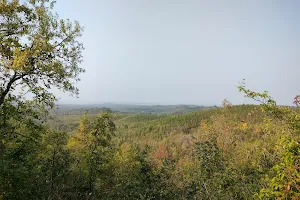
(38, 51)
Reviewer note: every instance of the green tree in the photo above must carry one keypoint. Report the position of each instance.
(90, 147)
(20, 175)
(54, 162)
(38, 51)
(283, 178)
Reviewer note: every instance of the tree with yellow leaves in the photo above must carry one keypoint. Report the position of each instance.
(38, 51)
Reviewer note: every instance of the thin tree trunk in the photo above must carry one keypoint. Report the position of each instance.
(52, 173)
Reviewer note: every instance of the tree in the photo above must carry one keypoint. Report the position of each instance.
(283, 178)
(20, 176)
(54, 162)
(90, 147)
(38, 51)
(226, 103)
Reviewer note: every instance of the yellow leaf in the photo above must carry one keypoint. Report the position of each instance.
(244, 125)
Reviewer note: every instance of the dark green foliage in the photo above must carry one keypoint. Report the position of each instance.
(209, 156)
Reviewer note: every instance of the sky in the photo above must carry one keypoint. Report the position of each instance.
(185, 51)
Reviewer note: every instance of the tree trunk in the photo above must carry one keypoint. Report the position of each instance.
(3, 94)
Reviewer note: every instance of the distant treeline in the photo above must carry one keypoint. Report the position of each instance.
(123, 108)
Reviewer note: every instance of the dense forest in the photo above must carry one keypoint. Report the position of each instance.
(148, 152)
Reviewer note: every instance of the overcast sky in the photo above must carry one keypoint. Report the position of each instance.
(186, 51)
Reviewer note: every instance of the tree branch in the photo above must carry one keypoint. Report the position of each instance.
(13, 79)
(69, 36)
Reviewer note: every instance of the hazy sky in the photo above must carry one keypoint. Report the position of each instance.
(186, 51)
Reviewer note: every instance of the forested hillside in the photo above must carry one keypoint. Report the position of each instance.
(148, 152)
(234, 152)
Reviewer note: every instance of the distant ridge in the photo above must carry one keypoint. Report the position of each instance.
(129, 108)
